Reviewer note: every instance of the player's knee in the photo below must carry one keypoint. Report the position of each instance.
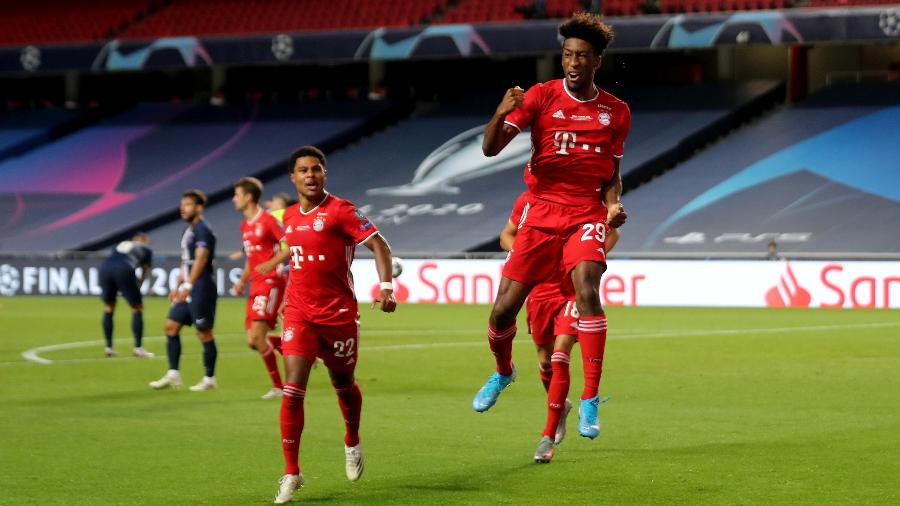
(171, 328)
(137, 308)
(587, 298)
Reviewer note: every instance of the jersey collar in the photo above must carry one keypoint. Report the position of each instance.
(300, 208)
(258, 214)
(566, 88)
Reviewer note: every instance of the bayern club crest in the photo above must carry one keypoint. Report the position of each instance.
(604, 118)
(288, 335)
(258, 230)
(318, 224)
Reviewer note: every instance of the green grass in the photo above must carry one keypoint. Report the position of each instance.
(715, 406)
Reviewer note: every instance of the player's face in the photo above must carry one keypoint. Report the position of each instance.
(189, 209)
(308, 177)
(241, 199)
(579, 62)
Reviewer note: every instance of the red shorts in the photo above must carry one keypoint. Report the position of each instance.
(549, 318)
(553, 234)
(336, 345)
(263, 302)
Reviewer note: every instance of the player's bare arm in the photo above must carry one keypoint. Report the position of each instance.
(497, 134)
(245, 275)
(201, 258)
(279, 258)
(508, 236)
(382, 251)
(145, 273)
(616, 214)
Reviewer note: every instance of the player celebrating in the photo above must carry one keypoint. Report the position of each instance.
(117, 274)
(194, 298)
(261, 235)
(578, 133)
(320, 315)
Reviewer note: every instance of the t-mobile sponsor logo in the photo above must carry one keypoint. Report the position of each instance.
(788, 292)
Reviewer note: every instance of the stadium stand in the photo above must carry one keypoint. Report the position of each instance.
(22, 130)
(61, 21)
(125, 171)
(820, 176)
(426, 183)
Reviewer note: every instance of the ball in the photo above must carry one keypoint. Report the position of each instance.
(396, 267)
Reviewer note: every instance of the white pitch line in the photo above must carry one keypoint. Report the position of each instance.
(33, 355)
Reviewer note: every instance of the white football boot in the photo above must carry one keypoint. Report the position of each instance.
(207, 383)
(287, 485)
(142, 353)
(172, 379)
(354, 462)
(274, 393)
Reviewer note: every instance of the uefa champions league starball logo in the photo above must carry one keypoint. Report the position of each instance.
(9, 280)
(30, 58)
(889, 22)
(282, 47)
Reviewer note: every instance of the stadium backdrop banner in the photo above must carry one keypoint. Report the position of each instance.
(819, 284)
(461, 41)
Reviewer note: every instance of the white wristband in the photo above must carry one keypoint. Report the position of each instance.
(185, 287)
(387, 285)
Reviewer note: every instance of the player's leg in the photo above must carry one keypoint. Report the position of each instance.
(592, 336)
(131, 291)
(108, 295)
(179, 315)
(501, 332)
(203, 312)
(350, 400)
(262, 316)
(584, 257)
(540, 326)
(301, 347)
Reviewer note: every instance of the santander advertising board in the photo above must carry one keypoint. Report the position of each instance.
(722, 283)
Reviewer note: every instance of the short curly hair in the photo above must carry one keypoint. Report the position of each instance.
(588, 27)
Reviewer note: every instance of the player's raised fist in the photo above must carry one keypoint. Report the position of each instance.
(511, 101)
(616, 215)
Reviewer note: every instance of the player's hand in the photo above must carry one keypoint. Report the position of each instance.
(511, 101)
(386, 301)
(172, 297)
(180, 296)
(264, 268)
(238, 288)
(616, 215)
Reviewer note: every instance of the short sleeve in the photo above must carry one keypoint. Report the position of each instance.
(355, 224)
(522, 117)
(147, 257)
(204, 238)
(624, 125)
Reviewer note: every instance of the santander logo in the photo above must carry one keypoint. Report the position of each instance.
(788, 292)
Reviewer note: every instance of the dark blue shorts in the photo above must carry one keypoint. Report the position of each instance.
(199, 310)
(118, 277)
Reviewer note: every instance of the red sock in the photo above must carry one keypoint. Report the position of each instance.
(592, 338)
(268, 356)
(559, 389)
(546, 375)
(275, 342)
(501, 346)
(350, 400)
(292, 426)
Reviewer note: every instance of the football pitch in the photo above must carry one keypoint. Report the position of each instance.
(712, 406)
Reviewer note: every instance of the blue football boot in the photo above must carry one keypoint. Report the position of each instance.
(487, 396)
(588, 416)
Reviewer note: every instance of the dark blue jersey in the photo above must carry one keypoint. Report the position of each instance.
(198, 235)
(132, 253)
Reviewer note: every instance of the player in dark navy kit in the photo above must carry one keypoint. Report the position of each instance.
(117, 275)
(194, 298)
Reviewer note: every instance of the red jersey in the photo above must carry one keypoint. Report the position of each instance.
(261, 237)
(547, 290)
(323, 243)
(574, 141)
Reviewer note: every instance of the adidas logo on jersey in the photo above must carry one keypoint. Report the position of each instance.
(559, 114)
(288, 231)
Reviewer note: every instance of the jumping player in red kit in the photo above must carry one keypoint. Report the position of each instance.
(320, 316)
(578, 133)
(260, 235)
(552, 322)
